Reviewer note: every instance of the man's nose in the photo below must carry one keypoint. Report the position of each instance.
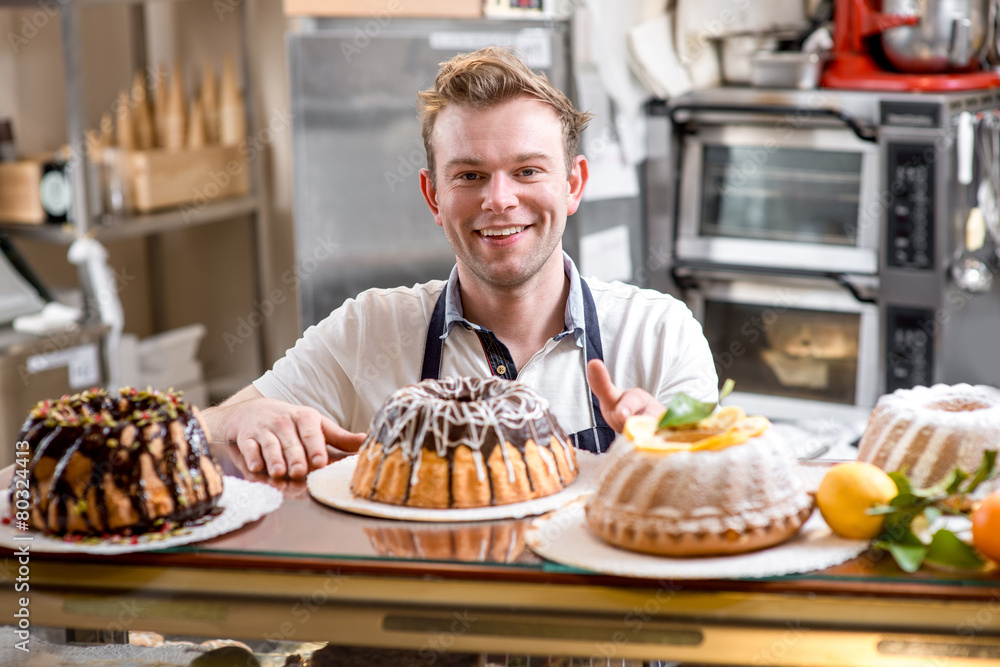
(500, 194)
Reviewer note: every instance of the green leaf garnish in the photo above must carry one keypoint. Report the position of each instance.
(928, 505)
(947, 550)
(683, 410)
(909, 552)
(983, 472)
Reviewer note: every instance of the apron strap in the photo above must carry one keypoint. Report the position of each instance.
(434, 346)
(600, 437)
(595, 439)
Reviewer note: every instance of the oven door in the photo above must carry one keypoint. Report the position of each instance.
(796, 348)
(788, 198)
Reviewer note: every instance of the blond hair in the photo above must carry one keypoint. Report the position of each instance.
(491, 76)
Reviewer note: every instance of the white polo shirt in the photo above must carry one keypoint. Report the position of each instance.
(348, 364)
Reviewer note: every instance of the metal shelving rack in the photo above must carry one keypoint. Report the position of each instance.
(107, 228)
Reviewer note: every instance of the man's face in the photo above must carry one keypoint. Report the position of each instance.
(502, 191)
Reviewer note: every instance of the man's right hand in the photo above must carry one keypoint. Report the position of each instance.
(285, 439)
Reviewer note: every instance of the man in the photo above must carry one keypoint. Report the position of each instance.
(502, 176)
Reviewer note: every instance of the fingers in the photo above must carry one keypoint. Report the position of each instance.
(601, 384)
(312, 429)
(607, 393)
(271, 452)
(618, 405)
(250, 450)
(340, 438)
(283, 439)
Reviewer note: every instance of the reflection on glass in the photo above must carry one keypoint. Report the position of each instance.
(804, 196)
(781, 351)
(483, 542)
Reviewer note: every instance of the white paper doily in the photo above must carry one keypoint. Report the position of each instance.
(332, 486)
(242, 501)
(563, 537)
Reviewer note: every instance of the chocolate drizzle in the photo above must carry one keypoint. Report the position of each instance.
(441, 415)
(127, 463)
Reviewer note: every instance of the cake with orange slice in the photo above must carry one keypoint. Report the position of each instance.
(723, 484)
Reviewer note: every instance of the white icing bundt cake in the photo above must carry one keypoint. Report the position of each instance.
(928, 431)
(695, 503)
(463, 442)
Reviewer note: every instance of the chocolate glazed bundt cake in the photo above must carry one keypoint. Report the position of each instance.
(463, 442)
(99, 463)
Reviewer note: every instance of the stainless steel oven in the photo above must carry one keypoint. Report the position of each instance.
(840, 215)
(790, 197)
(797, 347)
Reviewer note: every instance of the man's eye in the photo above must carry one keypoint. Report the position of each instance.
(529, 172)
(469, 177)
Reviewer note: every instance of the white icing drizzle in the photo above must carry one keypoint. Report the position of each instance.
(463, 411)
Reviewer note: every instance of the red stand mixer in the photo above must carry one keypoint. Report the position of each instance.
(854, 67)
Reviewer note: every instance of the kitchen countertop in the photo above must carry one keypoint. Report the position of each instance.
(307, 572)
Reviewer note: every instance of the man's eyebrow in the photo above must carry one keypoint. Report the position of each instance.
(477, 161)
(531, 157)
(465, 161)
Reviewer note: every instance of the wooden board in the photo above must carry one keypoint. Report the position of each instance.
(19, 192)
(161, 178)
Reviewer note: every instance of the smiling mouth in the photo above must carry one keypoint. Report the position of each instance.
(505, 231)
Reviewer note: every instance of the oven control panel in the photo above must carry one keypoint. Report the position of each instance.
(910, 210)
(909, 348)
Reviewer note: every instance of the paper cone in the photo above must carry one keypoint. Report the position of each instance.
(210, 103)
(232, 113)
(142, 120)
(173, 122)
(196, 126)
(124, 130)
(160, 105)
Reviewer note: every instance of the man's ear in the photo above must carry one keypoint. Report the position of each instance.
(578, 176)
(430, 194)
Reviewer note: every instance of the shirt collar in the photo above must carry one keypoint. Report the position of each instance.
(574, 318)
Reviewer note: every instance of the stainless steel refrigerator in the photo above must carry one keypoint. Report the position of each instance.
(360, 220)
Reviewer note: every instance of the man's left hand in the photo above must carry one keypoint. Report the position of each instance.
(618, 405)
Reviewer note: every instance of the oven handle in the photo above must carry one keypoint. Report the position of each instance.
(779, 110)
(690, 282)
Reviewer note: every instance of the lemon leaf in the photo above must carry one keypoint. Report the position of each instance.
(908, 551)
(727, 388)
(946, 549)
(984, 472)
(902, 482)
(683, 410)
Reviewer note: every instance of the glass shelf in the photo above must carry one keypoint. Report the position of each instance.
(117, 228)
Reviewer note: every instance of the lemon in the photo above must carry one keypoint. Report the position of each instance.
(640, 428)
(722, 419)
(846, 494)
(727, 427)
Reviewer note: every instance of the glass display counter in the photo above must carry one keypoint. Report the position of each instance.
(306, 572)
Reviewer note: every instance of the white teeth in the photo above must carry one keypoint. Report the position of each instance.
(501, 232)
